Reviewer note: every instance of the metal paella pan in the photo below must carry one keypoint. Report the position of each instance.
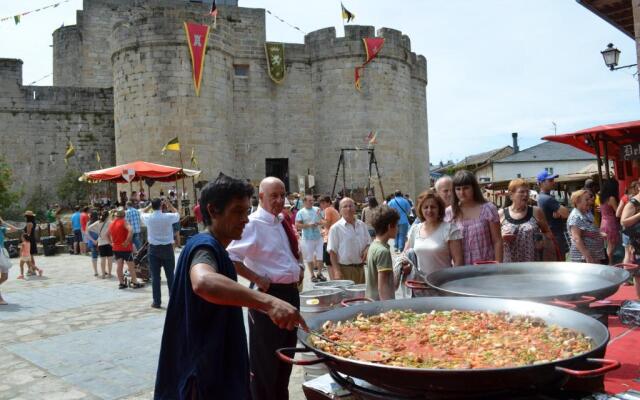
(537, 281)
(458, 381)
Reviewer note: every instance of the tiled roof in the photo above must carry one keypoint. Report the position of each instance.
(548, 151)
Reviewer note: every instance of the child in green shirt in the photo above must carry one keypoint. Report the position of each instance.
(379, 269)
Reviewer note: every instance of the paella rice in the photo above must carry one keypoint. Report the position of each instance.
(451, 340)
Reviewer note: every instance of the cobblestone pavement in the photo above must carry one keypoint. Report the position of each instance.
(69, 335)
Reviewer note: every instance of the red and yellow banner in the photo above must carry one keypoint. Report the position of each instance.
(372, 47)
(197, 36)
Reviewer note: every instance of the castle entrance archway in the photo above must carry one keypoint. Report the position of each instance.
(278, 167)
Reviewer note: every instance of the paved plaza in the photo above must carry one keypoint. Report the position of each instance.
(69, 335)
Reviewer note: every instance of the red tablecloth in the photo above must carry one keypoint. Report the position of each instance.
(624, 346)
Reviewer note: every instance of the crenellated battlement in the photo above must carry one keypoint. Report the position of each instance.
(10, 72)
(123, 76)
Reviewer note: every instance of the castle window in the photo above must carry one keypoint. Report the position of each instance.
(241, 70)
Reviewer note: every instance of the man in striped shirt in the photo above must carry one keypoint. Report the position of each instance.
(133, 218)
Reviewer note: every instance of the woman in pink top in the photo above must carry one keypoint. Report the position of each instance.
(609, 224)
(477, 219)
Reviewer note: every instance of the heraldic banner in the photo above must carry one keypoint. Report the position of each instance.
(372, 47)
(197, 36)
(275, 61)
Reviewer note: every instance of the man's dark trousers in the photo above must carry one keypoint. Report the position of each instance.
(269, 375)
(161, 256)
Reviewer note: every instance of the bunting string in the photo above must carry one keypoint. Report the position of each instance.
(16, 17)
(38, 80)
(285, 22)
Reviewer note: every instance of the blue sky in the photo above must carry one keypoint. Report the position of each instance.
(494, 66)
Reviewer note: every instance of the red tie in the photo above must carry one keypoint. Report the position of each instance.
(293, 239)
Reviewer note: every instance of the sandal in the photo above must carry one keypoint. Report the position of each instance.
(20, 277)
(122, 286)
(314, 279)
(136, 285)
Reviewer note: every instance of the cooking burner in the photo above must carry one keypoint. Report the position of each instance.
(363, 390)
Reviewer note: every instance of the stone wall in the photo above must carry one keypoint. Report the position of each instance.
(155, 99)
(240, 120)
(37, 123)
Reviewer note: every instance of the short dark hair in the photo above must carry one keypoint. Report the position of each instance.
(372, 202)
(220, 192)
(382, 217)
(398, 193)
(325, 199)
(129, 203)
(156, 202)
(77, 208)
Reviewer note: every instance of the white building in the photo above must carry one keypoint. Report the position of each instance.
(557, 158)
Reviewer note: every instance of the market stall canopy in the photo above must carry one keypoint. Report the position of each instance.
(138, 170)
(613, 139)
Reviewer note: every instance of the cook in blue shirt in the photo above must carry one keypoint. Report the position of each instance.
(204, 354)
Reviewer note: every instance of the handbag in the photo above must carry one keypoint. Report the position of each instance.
(5, 261)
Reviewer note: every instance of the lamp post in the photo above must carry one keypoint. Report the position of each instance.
(611, 55)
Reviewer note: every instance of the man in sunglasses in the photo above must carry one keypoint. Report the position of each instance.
(555, 213)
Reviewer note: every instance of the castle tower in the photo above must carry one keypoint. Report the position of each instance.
(386, 105)
(154, 94)
(242, 123)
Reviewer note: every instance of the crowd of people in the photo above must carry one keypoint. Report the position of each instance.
(108, 234)
(274, 238)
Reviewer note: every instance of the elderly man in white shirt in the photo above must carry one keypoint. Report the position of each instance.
(265, 256)
(348, 244)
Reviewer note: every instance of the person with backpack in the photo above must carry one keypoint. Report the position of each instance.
(403, 207)
(100, 229)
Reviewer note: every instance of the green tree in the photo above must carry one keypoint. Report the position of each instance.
(38, 203)
(8, 197)
(70, 190)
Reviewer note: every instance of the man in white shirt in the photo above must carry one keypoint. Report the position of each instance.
(265, 256)
(348, 244)
(309, 220)
(160, 238)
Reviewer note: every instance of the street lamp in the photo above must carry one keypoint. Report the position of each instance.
(611, 56)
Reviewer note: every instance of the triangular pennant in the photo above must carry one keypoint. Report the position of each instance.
(372, 47)
(197, 36)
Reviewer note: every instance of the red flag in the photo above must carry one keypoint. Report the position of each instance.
(357, 77)
(197, 36)
(372, 46)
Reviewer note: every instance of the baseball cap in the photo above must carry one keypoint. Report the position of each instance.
(544, 175)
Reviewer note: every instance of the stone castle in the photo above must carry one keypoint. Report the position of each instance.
(123, 87)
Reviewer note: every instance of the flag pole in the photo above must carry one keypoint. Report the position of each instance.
(344, 31)
(181, 167)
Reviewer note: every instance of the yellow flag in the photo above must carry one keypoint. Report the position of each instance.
(71, 151)
(173, 145)
(346, 14)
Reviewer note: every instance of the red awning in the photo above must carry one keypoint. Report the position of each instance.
(613, 136)
(140, 170)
